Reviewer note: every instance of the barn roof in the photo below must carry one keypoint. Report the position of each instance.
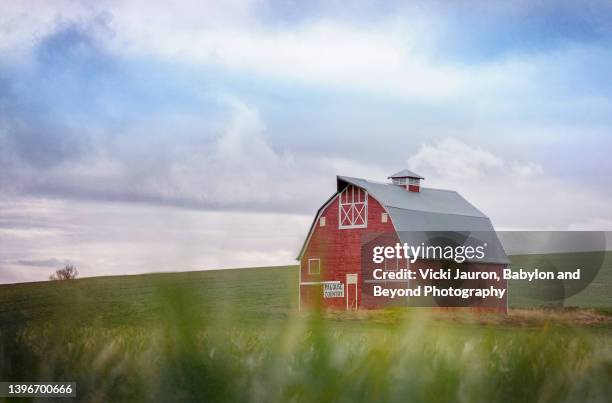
(432, 211)
(405, 173)
(427, 200)
(425, 215)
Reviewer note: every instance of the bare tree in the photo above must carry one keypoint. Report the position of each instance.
(67, 273)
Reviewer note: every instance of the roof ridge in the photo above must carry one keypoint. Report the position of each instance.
(363, 179)
(391, 184)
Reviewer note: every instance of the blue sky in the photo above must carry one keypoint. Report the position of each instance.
(238, 108)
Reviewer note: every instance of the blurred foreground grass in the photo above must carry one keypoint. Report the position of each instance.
(235, 335)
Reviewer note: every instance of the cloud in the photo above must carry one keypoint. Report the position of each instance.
(123, 238)
(383, 58)
(453, 159)
(219, 107)
(397, 55)
(232, 166)
(46, 263)
(515, 194)
(322, 53)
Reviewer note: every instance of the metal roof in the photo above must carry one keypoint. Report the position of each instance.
(404, 173)
(431, 213)
(430, 216)
(427, 200)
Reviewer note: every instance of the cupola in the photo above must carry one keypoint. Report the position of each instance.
(407, 179)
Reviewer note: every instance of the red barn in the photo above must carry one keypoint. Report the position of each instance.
(362, 213)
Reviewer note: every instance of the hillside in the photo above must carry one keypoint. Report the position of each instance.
(234, 335)
(253, 294)
(249, 295)
(596, 270)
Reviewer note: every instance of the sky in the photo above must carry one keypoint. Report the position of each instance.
(137, 138)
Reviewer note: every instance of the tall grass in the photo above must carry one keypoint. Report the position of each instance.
(190, 355)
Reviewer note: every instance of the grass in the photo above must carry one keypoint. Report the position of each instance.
(235, 335)
(596, 271)
(249, 294)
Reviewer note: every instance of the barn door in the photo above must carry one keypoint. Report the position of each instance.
(351, 292)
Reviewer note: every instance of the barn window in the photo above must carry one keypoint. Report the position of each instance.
(353, 208)
(322, 222)
(384, 217)
(314, 266)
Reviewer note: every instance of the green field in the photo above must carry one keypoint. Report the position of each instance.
(236, 335)
(597, 277)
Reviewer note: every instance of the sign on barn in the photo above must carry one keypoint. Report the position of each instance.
(333, 290)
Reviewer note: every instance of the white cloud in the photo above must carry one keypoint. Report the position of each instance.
(231, 167)
(379, 59)
(454, 159)
(515, 194)
(397, 56)
(526, 169)
(391, 57)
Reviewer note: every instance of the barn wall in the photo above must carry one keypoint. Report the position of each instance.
(339, 251)
(489, 304)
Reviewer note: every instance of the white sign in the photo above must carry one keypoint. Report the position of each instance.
(333, 290)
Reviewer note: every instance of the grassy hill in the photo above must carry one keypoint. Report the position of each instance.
(596, 271)
(234, 335)
(248, 295)
(251, 295)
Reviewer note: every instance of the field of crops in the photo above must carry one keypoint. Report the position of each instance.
(236, 335)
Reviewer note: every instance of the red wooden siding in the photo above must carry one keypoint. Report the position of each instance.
(339, 251)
